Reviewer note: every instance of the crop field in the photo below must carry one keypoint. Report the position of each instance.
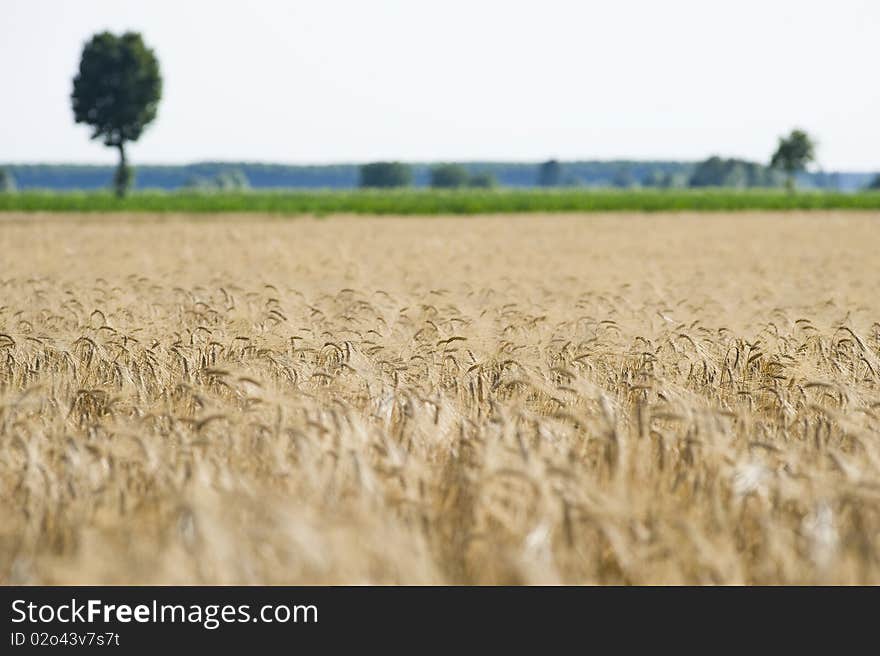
(603, 398)
(434, 201)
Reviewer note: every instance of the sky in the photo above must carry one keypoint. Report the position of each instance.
(459, 80)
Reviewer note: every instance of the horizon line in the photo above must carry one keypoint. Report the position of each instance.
(413, 162)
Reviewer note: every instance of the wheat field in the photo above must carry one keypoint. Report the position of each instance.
(599, 399)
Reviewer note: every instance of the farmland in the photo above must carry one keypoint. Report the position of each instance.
(547, 398)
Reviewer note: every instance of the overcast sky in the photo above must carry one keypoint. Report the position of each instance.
(355, 80)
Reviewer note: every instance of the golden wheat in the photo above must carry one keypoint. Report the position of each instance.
(541, 399)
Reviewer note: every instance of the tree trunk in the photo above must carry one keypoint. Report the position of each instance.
(122, 178)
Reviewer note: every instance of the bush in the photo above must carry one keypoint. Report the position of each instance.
(624, 179)
(7, 181)
(483, 180)
(234, 179)
(449, 176)
(718, 172)
(385, 174)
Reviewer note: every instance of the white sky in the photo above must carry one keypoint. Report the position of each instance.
(355, 80)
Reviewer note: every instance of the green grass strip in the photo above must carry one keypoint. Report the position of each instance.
(413, 201)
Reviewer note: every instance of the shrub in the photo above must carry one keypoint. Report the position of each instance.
(385, 174)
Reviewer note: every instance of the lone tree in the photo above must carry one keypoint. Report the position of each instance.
(117, 92)
(386, 174)
(874, 185)
(793, 154)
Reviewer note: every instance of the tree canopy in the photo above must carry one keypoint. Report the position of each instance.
(793, 154)
(550, 174)
(718, 172)
(229, 180)
(385, 174)
(454, 176)
(483, 180)
(449, 176)
(7, 181)
(623, 178)
(117, 92)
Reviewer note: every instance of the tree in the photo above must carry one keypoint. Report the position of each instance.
(654, 178)
(874, 185)
(385, 174)
(793, 154)
(483, 180)
(198, 183)
(226, 180)
(709, 173)
(718, 172)
(675, 180)
(232, 180)
(117, 92)
(449, 176)
(550, 174)
(7, 181)
(623, 178)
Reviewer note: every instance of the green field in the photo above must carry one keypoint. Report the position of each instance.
(437, 202)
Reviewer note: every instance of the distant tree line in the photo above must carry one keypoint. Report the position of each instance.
(441, 176)
(660, 174)
(793, 153)
(713, 172)
(718, 172)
